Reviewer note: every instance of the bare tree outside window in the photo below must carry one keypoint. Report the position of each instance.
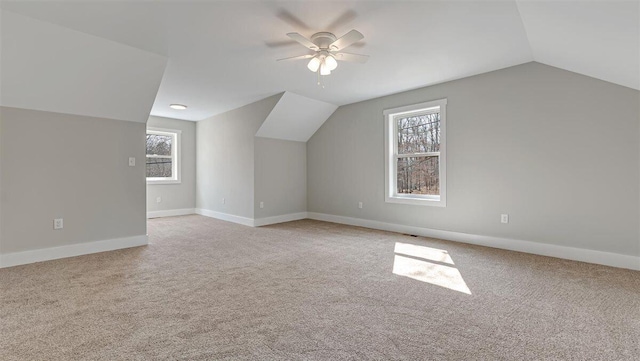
(418, 162)
(159, 158)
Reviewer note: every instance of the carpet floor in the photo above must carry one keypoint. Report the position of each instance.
(205, 289)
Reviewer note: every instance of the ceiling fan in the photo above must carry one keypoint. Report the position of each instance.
(328, 50)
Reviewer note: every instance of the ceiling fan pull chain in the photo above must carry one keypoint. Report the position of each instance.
(320, 79)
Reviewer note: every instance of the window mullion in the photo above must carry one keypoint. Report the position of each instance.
(418, 155)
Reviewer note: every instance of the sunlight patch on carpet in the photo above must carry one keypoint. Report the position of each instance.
(420, 266)
(431, 254)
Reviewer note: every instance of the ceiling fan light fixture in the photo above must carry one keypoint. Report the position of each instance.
(314, 64)
(330, 62)
(324, 69)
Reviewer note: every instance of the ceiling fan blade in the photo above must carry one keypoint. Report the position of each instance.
(291, 19)
(347, 40)
(354, 58)
(280, 43)
(302, 40)
(299, 57)
(341, 20)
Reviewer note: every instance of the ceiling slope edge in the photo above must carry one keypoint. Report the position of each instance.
(598, 39)
(48, 67)
(295, 118)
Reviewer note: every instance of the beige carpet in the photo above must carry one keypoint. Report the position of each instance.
(209, 290)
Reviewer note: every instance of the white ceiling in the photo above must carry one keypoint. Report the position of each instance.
(222, 54)
(53, 68)
(598, 38)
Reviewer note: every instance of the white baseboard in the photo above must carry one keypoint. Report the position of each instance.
(279, 219)
(72, 250)
(575, 254)
(225, 217)
(250, 221)
(171, 213)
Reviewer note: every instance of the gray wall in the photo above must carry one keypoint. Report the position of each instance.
(280, 177)
(225, 158)
(72, 167)
(183, 194)
(555, 150)
(1, 192)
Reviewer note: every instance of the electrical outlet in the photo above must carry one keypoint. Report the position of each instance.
(261, 204)
(58, 223)
(223, 201)
(158, 199)
(360, 205)
(504, 218)
(132, 161)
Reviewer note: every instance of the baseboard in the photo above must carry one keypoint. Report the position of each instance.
(245, 221)
(543, 249)
(72, 250)
(279, 219)
(171, 213)
(225, 217)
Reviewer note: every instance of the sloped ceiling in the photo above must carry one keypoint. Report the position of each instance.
(295, 118)
(52, 68)
(222, 55)
(598, 39)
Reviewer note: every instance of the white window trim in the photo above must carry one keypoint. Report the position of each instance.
(175, 156)
(390, 150)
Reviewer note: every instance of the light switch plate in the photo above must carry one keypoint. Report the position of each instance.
(132, 161)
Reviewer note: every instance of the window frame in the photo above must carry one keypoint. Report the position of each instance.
(175, 156)
(391, 154)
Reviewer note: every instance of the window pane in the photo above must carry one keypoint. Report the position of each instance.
(159, 144)
(419, 175)
(419, 134)
(159, 167)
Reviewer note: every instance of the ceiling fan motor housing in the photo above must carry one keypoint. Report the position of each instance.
(323, 39)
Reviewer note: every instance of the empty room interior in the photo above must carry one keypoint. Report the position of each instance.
(319, 180)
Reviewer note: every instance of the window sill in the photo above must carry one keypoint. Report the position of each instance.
(432, 202)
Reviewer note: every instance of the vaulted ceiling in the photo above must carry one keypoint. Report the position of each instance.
(222, 55)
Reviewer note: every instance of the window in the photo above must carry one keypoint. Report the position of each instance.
(162, 163)
(415, 148)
